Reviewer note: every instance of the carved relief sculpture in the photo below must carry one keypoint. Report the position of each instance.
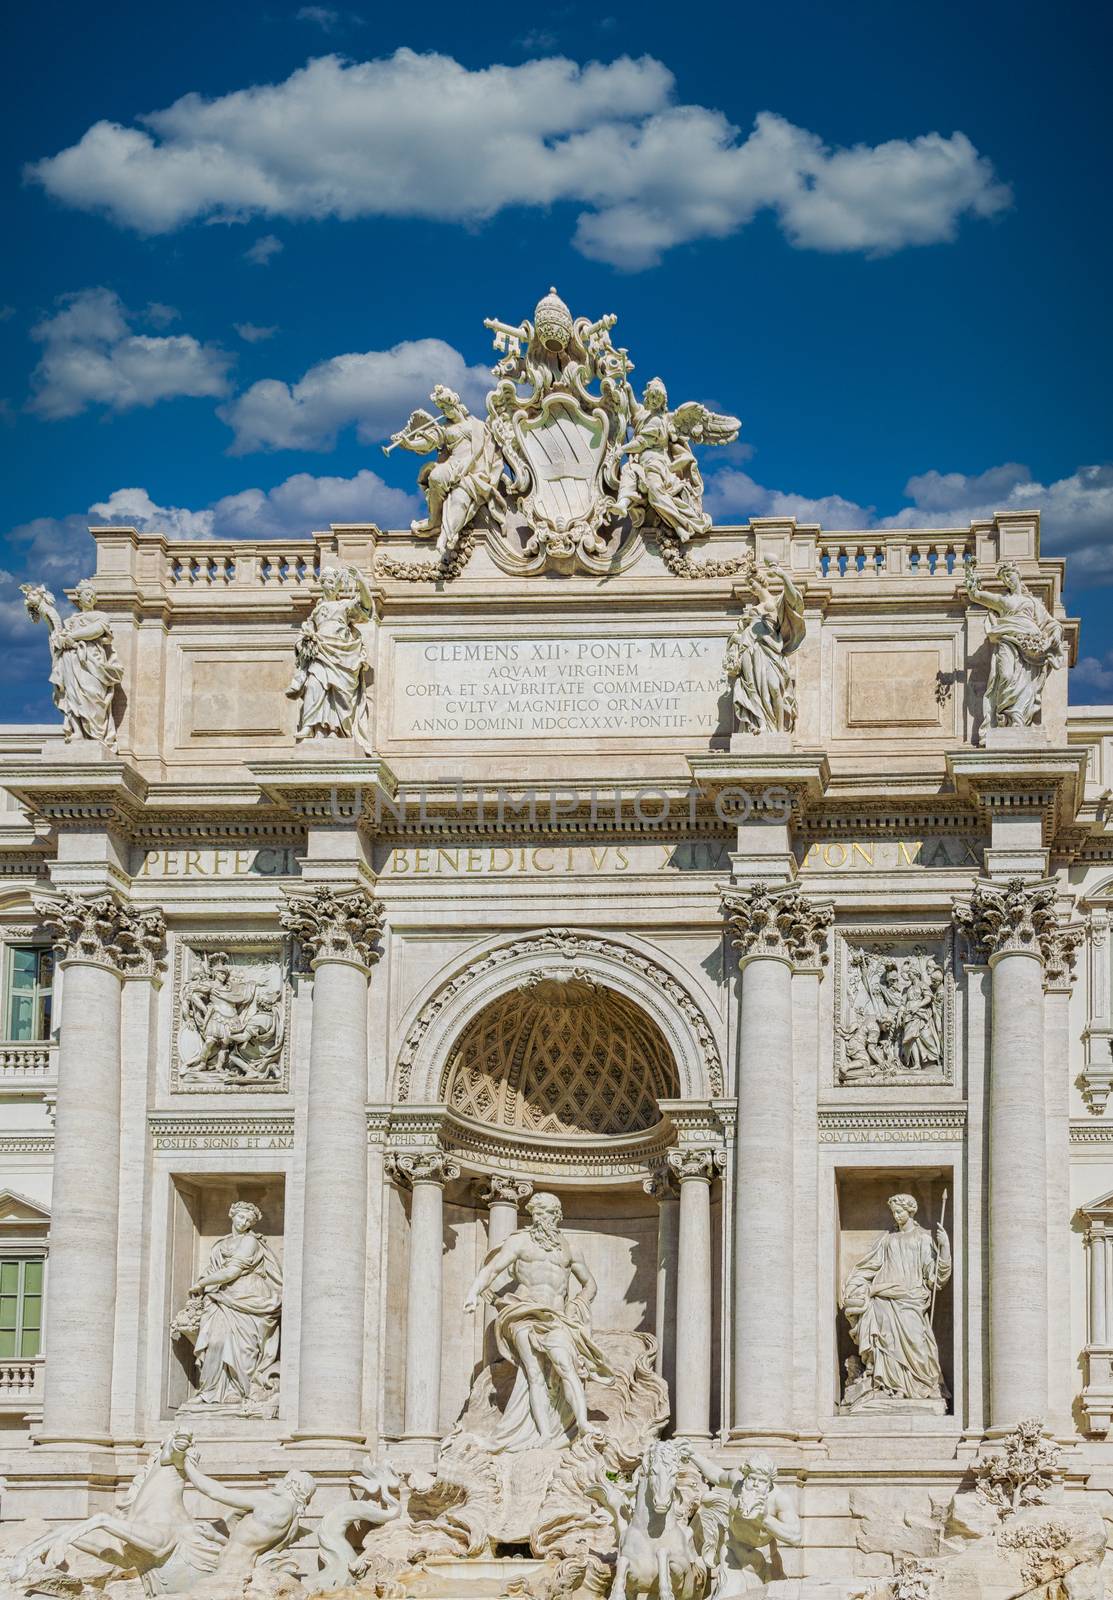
(770, 630)
(84, 667)
(232, 1024)
(331, 677)
(888, 1300)
(232, 1320)
(465, 476)
(740, 1521)
(543, 1326)
(1028, 644)
(893, 1017)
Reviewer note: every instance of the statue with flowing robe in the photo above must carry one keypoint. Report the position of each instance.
(232, 1319)
(757, 657)
(85, 669)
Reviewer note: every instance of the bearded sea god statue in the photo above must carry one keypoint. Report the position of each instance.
(568, 463)
(543, 1326)
(888, 1301)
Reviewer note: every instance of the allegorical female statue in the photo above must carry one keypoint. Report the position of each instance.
(660, 473)
(84, 667)
(1027, 644)
(757, 665)
(465, 474)
(232, 1320)
(888, 1300)
(330, 682)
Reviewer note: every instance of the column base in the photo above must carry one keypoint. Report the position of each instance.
(327, 1437)
(761, 1436)
(77, 1441)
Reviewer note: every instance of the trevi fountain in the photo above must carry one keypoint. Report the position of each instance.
(559, 1051)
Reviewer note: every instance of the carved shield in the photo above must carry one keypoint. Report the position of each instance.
(565, 447)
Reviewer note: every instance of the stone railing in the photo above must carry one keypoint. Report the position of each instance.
(267, 564)
(894, 555)
(21, 1380)
(25, 1063)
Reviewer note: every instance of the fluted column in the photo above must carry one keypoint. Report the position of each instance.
(502, 1197)
(694, 1169)
(100, 938)
(338, 930)
(662, 1187)
(1011, 925)
(427, 1172)
(772, 929)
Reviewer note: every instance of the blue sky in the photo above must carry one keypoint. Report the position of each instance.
(244, 241)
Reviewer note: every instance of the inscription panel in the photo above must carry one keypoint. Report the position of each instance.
(538, 688)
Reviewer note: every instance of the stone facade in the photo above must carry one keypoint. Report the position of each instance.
(552, 924)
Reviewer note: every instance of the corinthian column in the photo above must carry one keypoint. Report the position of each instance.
(100, 938)
(661, 1186)
(772, 929)
(694, 1169)
(338, 930)
(1013, 924)
(427, 1172)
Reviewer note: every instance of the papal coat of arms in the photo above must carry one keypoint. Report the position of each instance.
(568, 463)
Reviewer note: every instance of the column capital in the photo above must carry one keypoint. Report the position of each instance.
(696, 1161)
(779, 923)
(334, 924)
(1015, 918)
(499, 1190)
(1060, 956)
(660, 1184)
(104, 930)
(421, 1166)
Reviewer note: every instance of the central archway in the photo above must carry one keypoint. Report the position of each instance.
(562, 1055)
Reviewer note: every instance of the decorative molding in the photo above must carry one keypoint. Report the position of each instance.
(26, 1144)
(927, 1125)
(335, 924)
(106, 930)
(1091, 1133)
(660, 1185)
(275, 952)
(899, 940)
(485, 1149)
(781, 922)
(265, 1131)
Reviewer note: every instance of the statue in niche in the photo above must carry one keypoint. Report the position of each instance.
(744, 1516)
(888, 1300)
(330, 680)
(464, 476)
(660, 473)
(84, 667)
(894, 1020)
(543, 1326)
(232, 1320)
(757, 667)
(232, 1028)
(1028, 643)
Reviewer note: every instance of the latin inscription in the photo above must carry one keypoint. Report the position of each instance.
(268, 862)
(545, 688)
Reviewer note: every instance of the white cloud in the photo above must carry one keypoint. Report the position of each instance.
(58, 550)
(324, 17)
(375, 390)
(252, 333)
(414, 135)
(263, 249)
(92, 356)
(1076, 511)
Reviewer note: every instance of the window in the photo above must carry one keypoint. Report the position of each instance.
(29, 978)
(21, 1308)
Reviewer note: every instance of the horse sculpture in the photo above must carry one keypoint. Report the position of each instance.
(656, 1551)
(153, 1533)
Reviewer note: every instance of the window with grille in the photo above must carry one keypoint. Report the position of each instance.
(21, 1308)
(29, 979)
